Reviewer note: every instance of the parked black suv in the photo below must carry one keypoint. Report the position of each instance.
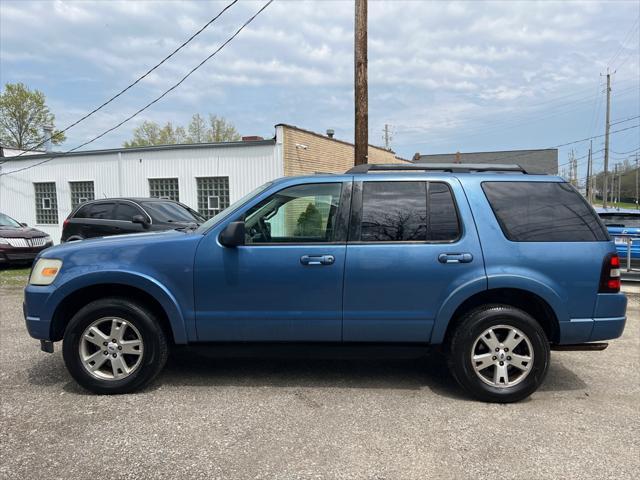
(116, 216)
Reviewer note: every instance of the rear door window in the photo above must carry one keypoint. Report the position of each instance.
(543, 212)
(408, 212)
(99, 211)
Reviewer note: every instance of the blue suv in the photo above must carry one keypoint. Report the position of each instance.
(494, 265)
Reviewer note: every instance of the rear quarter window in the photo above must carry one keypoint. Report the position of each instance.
(543, 212)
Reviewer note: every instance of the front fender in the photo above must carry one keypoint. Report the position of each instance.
(137, 280)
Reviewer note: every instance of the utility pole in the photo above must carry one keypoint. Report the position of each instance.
(387, 136)
(606, 140)
(589, 166)
(636, 181)
(361, 84)
(613, 184)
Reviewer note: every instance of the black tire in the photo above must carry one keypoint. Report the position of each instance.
(155, 347)
(471, 327)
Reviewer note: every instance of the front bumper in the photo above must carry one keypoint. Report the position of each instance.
(10, 255)
(37, 315)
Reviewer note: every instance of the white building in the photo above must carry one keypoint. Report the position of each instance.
(42, 189)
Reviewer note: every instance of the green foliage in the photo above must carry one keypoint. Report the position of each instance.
(23, 114)
(309, 222)
(198, 131)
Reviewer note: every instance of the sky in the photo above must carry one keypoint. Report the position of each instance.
(445, 76)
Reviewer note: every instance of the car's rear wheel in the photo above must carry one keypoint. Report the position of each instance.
(114, 345)
(499, 353)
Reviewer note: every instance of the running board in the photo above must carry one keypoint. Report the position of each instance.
(591, 347)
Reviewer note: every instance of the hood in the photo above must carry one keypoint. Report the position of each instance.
(20, 232)
(114, 242)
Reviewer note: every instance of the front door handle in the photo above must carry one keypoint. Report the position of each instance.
(317, 259)
(455, 258)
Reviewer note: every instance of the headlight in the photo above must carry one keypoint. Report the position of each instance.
(4, 241)
(47, 239)
(45, 271)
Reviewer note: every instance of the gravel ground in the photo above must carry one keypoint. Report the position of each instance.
(213, 417)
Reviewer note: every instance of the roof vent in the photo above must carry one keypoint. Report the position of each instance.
(330, 132)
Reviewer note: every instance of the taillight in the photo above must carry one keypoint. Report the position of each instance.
(65, 223)
(610, 276)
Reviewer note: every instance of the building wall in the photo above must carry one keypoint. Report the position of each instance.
(535, 161)
(322, 154)
(126, 174)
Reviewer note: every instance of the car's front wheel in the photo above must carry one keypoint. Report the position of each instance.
(113, 345)
(499, 353)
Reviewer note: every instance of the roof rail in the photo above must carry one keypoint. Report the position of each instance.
(441, 167)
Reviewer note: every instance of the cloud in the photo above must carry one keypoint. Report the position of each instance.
(437, 70)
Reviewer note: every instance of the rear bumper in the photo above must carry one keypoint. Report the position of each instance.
(608, 323)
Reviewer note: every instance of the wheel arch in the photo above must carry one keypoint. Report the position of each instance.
(140, 290)
(532, 303)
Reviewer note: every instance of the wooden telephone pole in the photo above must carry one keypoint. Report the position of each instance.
(361, 85)
(605, 187)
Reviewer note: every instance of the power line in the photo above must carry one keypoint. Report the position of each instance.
(138, 80)
(157, 99)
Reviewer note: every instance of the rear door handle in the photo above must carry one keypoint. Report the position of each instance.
(455, 258)
(317, 259)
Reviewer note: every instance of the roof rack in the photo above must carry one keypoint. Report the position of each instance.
(441, 167)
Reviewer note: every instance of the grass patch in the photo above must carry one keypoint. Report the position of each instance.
(14, 277)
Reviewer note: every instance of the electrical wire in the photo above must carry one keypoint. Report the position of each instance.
(157, 99)
(138, 80)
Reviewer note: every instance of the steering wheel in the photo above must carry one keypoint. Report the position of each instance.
(264, 230)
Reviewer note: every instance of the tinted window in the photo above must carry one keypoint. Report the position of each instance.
(300, 214)
(169, 212)
(621, 220)
(543, 212)
(83, 212)
(394, 211)
(443, 217)
(100, 211)
(127, 211)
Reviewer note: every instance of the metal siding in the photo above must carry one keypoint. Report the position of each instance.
(126, 174)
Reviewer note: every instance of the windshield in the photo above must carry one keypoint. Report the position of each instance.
(7, 221)
(620, 220)
(171, 212)
(233, 207)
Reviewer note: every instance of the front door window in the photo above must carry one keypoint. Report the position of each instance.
(300, 214)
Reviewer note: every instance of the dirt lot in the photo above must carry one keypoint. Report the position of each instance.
(214, 417)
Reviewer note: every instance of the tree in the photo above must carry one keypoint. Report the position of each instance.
(23, 116)
(221, 130)
(151, 133)
(197, 129)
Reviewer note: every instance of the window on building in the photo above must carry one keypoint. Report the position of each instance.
(543, 212)
(81, 192)
(300, 214)
(213, 195)
(408, 212)
(164, 188)
(46, 203)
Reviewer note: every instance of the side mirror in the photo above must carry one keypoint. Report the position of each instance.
(141, 220)
(233, 234)
(22, 224)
